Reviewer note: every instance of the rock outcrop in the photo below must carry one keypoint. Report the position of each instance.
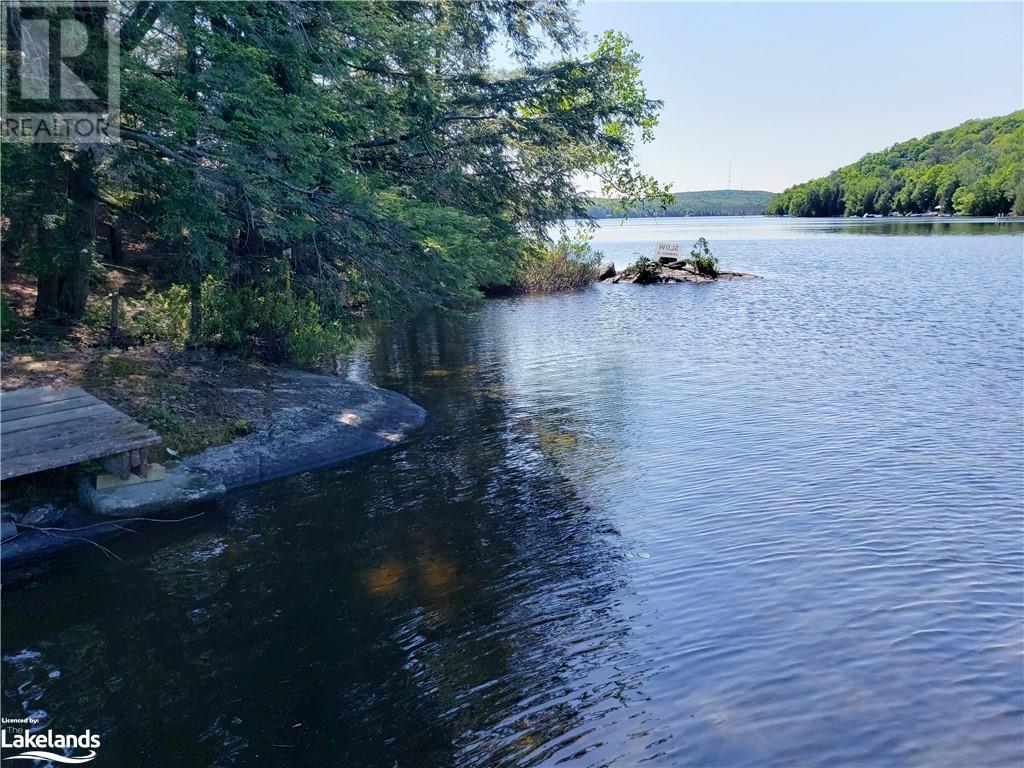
(316, 421)
(312, 421)
(606, 270)
(673, 272)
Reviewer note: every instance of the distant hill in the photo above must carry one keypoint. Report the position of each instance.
(975, 169)
(713, 202)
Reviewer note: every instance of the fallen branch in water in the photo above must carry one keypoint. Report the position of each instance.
(55, 532)
(118, 524)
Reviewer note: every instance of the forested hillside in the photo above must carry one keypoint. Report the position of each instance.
(974, 169)
(715, 202)
(286, 165)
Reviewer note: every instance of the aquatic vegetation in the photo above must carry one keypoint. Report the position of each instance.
(568, 265)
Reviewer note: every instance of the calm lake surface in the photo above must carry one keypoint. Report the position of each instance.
(774, 522)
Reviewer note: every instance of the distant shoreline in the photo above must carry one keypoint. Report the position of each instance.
(710, 202)
(955, 217)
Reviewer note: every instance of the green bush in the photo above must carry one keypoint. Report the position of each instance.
(164, 420)
(8, 319)
(279, 326)
(161, 316)
(703, 260)
(275, 326)
(644, 270)
(568, 265)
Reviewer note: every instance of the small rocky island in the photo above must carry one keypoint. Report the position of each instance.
(668, 272)
(700, 266)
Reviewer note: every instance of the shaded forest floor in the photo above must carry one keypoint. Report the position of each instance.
(184, 395)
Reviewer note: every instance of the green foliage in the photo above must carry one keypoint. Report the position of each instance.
(8, 319)
(161, 316)
(275, 325)
(702, 259)
(719, 202)
(39, 213)
(241, 427)
(368, 151)
(644, 270)
(974, 169)
(186, 437)
(568, 265)
(164, 420)
(121, 367)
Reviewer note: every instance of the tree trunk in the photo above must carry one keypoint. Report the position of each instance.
(116, 242)
(73, 289)
(45, 243)
(195, 317)
(75, 260)
(46, 295)
(195, 290)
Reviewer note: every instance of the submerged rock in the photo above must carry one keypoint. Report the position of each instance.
(42, 516)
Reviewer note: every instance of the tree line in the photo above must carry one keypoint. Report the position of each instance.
(715, 202)
(333, 158)
(975, 169)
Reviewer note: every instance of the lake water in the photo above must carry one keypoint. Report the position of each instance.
(774, 522)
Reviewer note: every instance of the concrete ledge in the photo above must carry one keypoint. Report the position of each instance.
(312, 422)
(177, 488)
(316, 421)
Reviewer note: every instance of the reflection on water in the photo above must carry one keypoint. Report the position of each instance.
(764, 523)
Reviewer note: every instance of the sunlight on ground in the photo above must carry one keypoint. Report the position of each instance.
(351, 418)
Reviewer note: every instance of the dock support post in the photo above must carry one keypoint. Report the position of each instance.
(114, 316)
(118, 464)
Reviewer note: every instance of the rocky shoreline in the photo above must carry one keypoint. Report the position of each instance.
(313, 421)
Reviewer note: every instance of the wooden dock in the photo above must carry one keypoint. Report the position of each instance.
(46, 428)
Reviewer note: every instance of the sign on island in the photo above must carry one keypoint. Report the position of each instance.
(671, 250)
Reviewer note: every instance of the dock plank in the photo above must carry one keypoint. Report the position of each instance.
(64, 457)
(44, 429)
(19, 398)
(23, 412)
(9, 427)
(122, 431)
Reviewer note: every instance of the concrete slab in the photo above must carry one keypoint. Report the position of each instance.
(179, 487)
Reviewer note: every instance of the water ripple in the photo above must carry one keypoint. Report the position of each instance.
(764, 523)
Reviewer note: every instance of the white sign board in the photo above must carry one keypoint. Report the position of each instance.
(671, 250)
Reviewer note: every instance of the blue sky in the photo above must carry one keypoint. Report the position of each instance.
(787, 92)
